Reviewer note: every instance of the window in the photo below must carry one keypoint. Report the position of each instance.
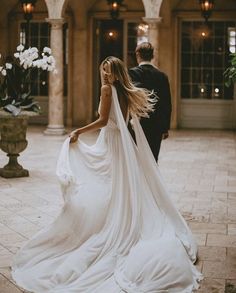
(232, 39)
(205, 51)
(37, 34)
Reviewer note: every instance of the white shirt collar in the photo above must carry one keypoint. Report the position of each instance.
(145, 62)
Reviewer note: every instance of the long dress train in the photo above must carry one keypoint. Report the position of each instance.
(118, 230)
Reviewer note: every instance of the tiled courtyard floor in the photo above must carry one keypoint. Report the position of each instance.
(199, 168)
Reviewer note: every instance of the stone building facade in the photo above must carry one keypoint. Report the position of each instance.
(81, 33)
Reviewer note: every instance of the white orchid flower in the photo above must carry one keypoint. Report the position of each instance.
(40, 63)
(50, 68)
(4, 72)
(51, 59)
(28, 63)
(34, 49)
(8, 66)
(35, 55)
(16, 55)
(20, 48)
(1, 67)
(47, 50)
(35, 63)
(44, 66)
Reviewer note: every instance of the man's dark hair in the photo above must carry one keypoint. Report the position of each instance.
(145, 51)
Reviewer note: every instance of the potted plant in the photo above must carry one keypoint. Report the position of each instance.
(17, 103)
(230, 72)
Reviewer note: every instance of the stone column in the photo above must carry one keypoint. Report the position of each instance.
(153, 36)
(55, 111)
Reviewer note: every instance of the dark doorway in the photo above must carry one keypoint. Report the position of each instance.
(111, 39)
(108, 41)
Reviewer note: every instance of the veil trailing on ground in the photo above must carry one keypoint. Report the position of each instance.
(145, 159)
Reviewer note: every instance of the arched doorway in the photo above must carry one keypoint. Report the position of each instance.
(114, 37)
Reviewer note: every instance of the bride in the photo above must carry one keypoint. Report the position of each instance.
(118, 230)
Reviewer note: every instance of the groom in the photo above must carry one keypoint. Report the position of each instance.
(147, 76)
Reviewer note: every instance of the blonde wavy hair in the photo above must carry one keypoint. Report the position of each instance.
(140, 101)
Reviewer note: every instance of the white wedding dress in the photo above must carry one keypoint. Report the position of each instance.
(118, 230)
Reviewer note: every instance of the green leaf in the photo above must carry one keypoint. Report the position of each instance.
(228, 83)
(230, 72)
(12, 109)
(29, 105)
(25, 95)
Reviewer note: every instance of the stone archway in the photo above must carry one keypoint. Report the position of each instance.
(57, 7)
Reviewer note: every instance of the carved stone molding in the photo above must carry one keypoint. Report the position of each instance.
(55, 23)
(152, 8)
(153, 23)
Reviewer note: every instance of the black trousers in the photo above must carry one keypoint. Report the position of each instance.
(154, 139)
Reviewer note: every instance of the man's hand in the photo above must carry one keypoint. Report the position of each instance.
(73, 136)
(165, 135)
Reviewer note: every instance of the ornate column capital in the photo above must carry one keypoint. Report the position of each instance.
(56, 23)
(153, 23)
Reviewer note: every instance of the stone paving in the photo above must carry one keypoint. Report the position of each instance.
(199, 168)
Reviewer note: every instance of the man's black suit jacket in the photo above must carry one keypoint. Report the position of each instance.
(151, 78)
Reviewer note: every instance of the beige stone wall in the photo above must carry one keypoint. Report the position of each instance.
(167, 53)
(190, 5)
(82, 103)
(134, 5)
(79, 101)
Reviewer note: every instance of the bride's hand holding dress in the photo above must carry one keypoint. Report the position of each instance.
(104, 110)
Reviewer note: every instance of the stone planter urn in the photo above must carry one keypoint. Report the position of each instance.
(13, 141)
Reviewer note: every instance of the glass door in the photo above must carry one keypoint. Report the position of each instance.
(117, 38)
